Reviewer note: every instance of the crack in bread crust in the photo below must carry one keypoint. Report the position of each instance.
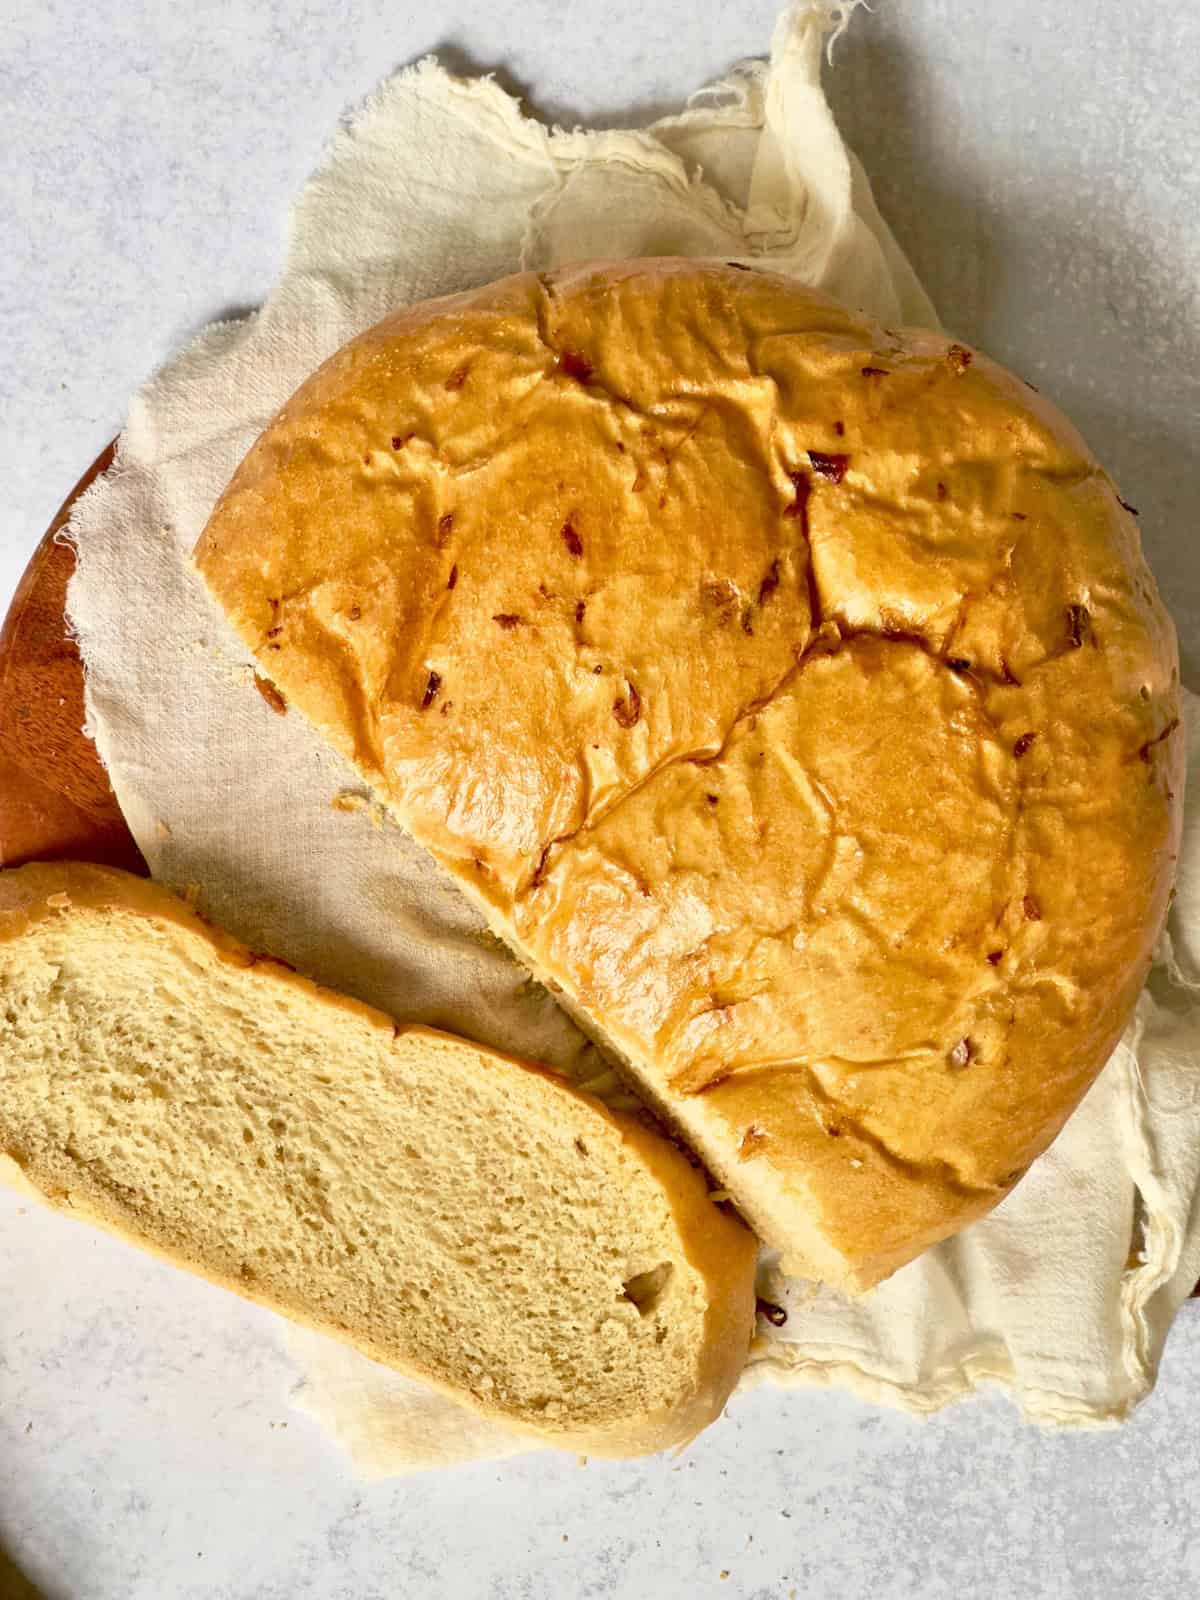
(698, 497)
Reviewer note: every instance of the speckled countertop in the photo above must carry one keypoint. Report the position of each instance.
(1040, 165)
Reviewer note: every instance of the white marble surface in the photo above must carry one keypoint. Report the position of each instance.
(1039, 162)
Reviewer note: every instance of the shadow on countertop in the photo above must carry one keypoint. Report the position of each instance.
(1070, 260)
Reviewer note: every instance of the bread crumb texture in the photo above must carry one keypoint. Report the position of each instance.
(789, 690)
(451, 1211)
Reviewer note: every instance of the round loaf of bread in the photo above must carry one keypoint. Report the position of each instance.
(789, 691)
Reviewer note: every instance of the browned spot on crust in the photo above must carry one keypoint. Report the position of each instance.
(539, 872)
(432, 684)
(720, 595)
(769, 584)
(831, 467)
(576, 366)
(628, 707)
(271, 695)
(753, 1140)
(959, 358)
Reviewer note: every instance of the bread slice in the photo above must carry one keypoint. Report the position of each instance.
(462, 1216)
(788, 691)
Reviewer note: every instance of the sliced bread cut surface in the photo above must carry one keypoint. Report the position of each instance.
(453, 1212)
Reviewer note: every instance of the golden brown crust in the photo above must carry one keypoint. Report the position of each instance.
(721, 1250)
(790, 690)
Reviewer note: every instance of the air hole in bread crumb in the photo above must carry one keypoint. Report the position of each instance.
(645, 1289)
(581, 1147)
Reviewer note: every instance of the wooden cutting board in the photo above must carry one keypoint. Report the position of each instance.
(55, 797)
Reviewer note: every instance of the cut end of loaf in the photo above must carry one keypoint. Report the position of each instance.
(452, 1212)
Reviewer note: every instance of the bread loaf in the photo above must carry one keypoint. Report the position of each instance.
(465, 1217)
(789, 692)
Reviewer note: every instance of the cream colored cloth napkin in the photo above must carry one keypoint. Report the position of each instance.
(1066, 1292)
